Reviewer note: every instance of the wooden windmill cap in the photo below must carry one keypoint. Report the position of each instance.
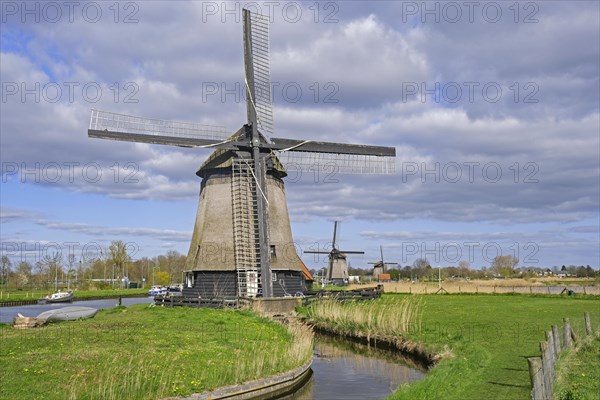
(221, 159)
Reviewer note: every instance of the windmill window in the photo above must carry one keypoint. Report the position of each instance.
(273, 252)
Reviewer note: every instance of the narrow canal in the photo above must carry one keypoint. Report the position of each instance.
(342, 369)
(346, 370)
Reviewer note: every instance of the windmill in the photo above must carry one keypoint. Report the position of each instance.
(337, 267)
(379, 267)
(242, 243)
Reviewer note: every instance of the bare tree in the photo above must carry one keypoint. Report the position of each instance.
(421, 267)
(54, 266)
(117, 255)
(504, 265)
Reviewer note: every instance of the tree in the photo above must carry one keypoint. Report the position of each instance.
(117, 255)
(54, 267)
(421, 267)
(162, 278)
(504, 265)
(394, 274)
(23, 275)
(5, 269)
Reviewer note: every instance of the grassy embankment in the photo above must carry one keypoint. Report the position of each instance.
(484, 339)
(578, 371)
(79, 294)
(142, 352)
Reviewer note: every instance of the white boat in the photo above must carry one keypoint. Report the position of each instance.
(157, 291)
(67, 314)
(60, 297)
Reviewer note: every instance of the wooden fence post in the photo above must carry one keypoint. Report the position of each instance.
(556, 337)
(588, 323)
(566, 333)
(546, 367)
(536, 376)
(551, 347)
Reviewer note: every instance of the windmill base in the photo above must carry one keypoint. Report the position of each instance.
(223, 284)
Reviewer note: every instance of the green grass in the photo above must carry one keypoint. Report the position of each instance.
(485, 340)
(143, 352)
(578, 371)
(38, 294)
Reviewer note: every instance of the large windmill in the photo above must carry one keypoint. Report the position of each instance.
(337, 266)
(242, 243)
(380, 267)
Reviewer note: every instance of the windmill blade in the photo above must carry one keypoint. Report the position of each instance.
(316, 252)
(335, 224)
(257, 60)
(113, 126)
(351, 252)
(336, 158)
(331, 147)
(332, 164)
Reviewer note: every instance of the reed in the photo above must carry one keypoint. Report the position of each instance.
(370, 318)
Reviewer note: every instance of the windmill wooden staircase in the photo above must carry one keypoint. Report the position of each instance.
(245, 228)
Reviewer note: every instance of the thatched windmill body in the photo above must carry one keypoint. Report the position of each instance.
(337, 263)
(380, 267)
(242, 243)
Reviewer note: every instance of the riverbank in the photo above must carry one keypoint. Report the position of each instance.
(12, 298)
(142, 352)
(481, 341)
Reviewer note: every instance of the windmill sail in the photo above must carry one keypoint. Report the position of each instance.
(109, 125)
(334, 158)
(257, 60)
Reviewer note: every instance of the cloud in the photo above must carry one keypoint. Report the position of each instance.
(547, 150)
(15, 215)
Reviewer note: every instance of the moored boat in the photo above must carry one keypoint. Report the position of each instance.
(59, 297)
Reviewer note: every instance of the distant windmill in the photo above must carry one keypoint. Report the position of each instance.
(379, 267)
(242, 242)
(337, 267)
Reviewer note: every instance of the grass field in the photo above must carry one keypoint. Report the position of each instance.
(578, 371)
(143, 352)
(485, 339)
(79, 294)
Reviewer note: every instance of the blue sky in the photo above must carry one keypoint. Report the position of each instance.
(479, 172)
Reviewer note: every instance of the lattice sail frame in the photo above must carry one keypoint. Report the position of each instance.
(105, 120)
(353, 164)
(261, 63)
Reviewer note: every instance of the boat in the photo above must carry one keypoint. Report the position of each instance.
(67, 314)
(60, 297)
(157, 291)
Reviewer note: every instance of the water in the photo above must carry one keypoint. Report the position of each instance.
(8, 313)
(344, 370)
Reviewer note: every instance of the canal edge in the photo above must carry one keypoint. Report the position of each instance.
(269, 387)
(413, 350)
